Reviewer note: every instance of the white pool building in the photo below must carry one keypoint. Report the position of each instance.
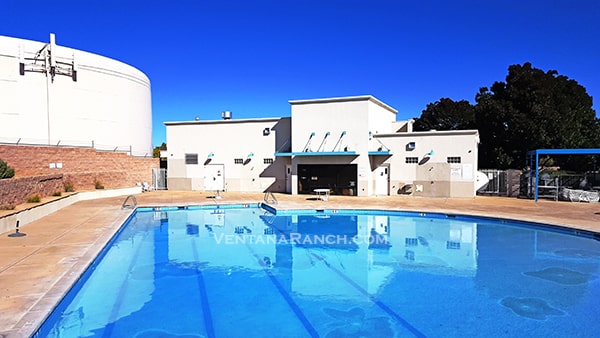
(347, 145)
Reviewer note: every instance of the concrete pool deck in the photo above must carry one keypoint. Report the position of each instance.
(37, 269)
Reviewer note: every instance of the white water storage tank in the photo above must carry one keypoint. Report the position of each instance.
(87, 99)
(226, 115)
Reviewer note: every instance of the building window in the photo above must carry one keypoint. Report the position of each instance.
(268, 161)
(453, 159)
(412, 160)
(238, 160)
(191, 158)
(408, 241)
(452, 245)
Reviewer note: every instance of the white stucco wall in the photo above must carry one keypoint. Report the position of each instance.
(226, 141)
(444, 144)
(108, 106)
(357, 116)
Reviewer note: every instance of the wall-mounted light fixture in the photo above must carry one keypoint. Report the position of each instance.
(208, 158)
(266, 132)
(248, 158)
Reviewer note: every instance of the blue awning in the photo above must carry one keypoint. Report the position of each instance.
(317, 153)
(384, 152)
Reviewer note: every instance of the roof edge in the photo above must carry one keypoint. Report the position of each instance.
(250, 120)
(345, 99)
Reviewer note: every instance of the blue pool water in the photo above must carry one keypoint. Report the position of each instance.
(242, 271)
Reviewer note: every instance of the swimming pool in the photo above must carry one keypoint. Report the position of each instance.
(243, 270)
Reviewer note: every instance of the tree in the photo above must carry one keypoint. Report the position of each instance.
(5, 170)
(533, 109)
(156, 151)
(446, 114)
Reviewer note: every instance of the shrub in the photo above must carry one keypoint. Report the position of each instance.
(34, 199)
(7, 207)
(5, 170)
(69, 187)
(99, 185)
(57, 193)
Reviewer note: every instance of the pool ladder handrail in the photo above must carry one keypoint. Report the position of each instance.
(129, 206)
(270, 198)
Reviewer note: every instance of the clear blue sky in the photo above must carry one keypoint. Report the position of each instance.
(252, 56)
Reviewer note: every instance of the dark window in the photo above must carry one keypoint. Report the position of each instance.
(238, 160)
(267, 160)
(191, 158)
(412, 160)
(453, 245)
(453, 159)
(409, 241)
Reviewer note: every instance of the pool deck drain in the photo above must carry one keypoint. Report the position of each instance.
(37, 269)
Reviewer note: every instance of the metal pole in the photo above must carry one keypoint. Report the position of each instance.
(537, 175)
(48, 93)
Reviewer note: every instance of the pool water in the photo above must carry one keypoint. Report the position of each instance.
(243, 271)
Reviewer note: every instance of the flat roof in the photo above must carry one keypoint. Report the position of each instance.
(251, 120)
(345, 99)
(429, 133)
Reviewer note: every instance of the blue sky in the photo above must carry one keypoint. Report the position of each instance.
(251, 57)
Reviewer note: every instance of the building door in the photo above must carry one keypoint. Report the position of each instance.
(288, 178)
(382, 180)
(214, 177)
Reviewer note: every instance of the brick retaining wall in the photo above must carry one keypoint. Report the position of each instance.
(15, 191)
(43, 169)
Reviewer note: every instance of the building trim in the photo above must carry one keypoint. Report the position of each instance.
(345, 99)
(252, 120)
(429, 133)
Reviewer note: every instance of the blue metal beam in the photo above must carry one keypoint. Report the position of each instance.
(538, 152)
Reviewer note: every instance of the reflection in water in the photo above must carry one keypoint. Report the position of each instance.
(333, 274)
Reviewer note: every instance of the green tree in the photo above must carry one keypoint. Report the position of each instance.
(446, 114)
(533, 109)
(156, 151)
(5, 170)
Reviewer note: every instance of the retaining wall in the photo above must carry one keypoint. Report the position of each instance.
(44, 170)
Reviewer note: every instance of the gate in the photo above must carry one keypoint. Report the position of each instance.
(159, 178)
(497, 184)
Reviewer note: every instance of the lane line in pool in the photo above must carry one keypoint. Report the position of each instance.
(114, 313)
(288, 299)
(381, 305)
(206, 313)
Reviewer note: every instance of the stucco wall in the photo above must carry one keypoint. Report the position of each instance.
(221, 142)
(457, 180)
(109, 106)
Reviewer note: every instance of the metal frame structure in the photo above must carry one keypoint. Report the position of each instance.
(536, 153)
